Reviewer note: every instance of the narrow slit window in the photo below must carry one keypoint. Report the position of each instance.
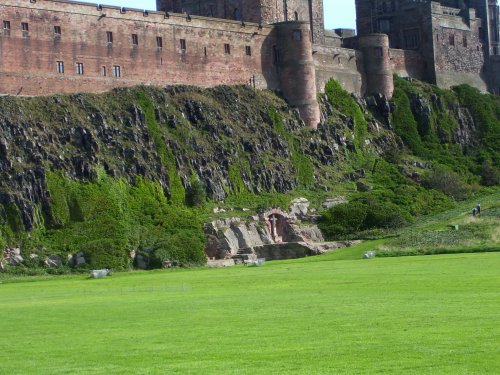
(452, 40)
(109, 37)
(6, 25)
(103, 71)
(159, 42)
(248, 50)
(182, 45)
(276, 55)
(227, 49)
(464, 42)
(57, 30)
(135, 40)
(25, 26)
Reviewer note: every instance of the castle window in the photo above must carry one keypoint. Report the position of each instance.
(384, 26)
(205, 52)
(159, 42)
(227, 49)
(57, 30)
(237, 14)
(117, 72)
(135, 40)
(411, 39)
(481, 33)
(451, 40)
(79, 68)
(103, 71)
(276, 55)
(464, 41)
(60, 67)
(248, 50)
(6, 26)
(25, 26)
(297, 35)
(109, 37)
(183, 45)
(379, 52)
(296, 15)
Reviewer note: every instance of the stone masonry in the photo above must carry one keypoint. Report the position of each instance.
(56, 46)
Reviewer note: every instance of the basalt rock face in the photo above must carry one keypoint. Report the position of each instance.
(211, 133)
(227, 137)
(459, 126)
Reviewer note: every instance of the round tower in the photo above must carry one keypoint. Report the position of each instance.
(377, 64)
(296, 69)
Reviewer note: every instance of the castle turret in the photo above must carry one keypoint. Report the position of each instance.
(296, 68)
(377, 64)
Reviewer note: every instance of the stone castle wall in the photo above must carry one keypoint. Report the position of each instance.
(56, 46)
(195, 50)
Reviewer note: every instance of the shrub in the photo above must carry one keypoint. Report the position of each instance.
(448, 182)
(343, 219)
(196, 194)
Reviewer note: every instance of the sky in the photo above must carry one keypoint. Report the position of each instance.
(338, 13)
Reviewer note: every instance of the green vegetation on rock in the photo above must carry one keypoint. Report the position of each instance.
(139, 169)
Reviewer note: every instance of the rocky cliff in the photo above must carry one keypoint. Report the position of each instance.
(236, 141)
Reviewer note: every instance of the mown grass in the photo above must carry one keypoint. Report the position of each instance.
(425, 315)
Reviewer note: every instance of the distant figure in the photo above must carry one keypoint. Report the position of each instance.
(474, 211)
(478, 208)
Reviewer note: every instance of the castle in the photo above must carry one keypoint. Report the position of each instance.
(57, 46)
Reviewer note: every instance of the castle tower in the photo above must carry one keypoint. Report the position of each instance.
(297, 70)
(258, 11)
(377, 64)
(494, 26)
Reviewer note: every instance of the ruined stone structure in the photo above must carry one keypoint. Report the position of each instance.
(56, 46)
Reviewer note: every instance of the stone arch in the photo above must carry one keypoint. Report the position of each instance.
(278, 225)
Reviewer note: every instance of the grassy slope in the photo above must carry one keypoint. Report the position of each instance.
(424, 315)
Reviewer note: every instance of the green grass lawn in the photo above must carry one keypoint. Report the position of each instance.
(321, 315)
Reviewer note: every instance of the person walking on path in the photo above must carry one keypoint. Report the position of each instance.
(478, 208)
(474, 212)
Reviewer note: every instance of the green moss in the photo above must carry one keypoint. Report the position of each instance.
(177, 192)
(301, 162)
(404, 122)
(345, 103)
(108, 218)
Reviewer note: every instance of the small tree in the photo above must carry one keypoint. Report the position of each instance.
(196, 194)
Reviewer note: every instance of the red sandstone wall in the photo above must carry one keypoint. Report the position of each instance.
(28, 62)
(344, 65)
(407, 63)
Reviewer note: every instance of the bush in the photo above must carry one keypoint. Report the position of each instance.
(350, 218)
(181, 249)
(106, 253)
(196, 194)
(448, 182)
